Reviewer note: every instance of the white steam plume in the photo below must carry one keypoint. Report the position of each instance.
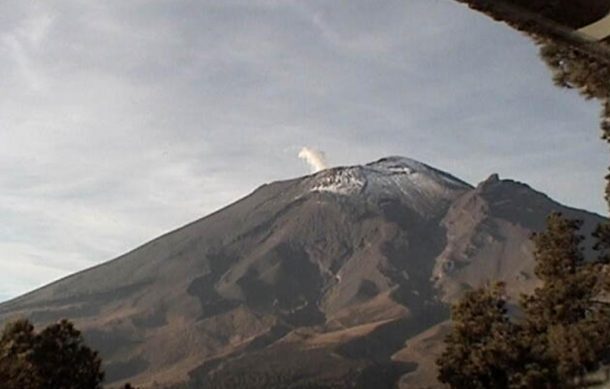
(315, 158)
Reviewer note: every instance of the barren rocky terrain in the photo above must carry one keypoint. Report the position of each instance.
(343, 278)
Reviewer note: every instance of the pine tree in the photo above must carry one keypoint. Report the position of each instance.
(562, 336)
(566, 324)
(477, 355)
(56, 357)
(16, 349)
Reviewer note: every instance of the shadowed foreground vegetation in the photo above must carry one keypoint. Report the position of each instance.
(55, 357)
(560, 334)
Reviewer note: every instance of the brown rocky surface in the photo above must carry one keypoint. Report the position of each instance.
(338, 279)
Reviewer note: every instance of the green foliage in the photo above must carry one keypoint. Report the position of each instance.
(602, 236)
(562, 336)
(16, 348)
(564, 317)
(575, 70)
(477, 355)
(56, 357)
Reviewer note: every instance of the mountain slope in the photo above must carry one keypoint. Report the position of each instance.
(314, 280)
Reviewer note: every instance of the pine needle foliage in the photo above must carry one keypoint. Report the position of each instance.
(562, 333)
(55, 357)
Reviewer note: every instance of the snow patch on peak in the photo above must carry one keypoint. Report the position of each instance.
(397, 163)
(340, 180)
(403, 165)
(395, 177)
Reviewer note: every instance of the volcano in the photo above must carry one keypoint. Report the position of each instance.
(342, 279)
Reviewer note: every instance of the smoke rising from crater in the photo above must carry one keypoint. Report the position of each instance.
(316, 159)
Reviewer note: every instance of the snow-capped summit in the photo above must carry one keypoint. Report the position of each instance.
(400, 178)
(402, 165)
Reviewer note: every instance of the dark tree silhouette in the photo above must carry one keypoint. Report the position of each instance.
(16, 346)
(56, 357)
(565, 320)
(477, 355)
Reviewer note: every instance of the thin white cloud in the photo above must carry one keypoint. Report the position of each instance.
(34, 30)
(23, 42)
(21, 59)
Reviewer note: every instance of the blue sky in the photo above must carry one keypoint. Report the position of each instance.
(121, 120)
